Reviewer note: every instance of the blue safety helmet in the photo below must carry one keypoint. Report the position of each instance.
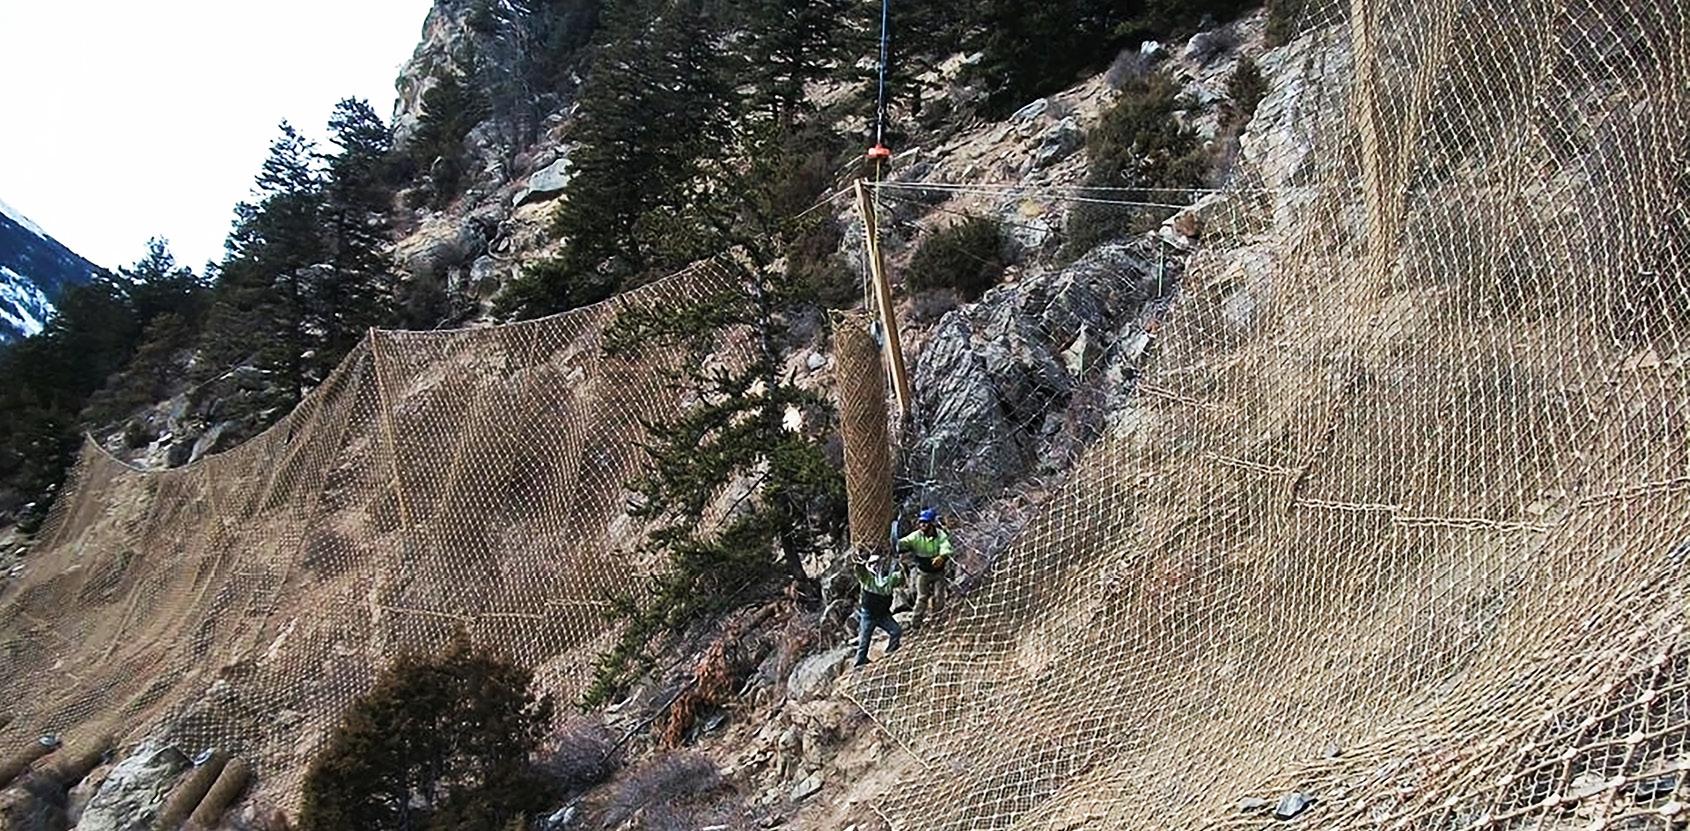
(928, 515)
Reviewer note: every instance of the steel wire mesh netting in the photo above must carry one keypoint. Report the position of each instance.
(438, 481)
(1397, 517)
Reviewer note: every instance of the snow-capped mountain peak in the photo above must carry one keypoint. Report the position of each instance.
(35, 270)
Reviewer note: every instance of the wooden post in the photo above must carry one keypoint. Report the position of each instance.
(883, 300)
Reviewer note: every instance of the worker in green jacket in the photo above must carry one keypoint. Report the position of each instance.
(930, 547)
(878, 577)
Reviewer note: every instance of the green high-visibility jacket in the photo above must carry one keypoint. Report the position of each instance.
(877, 583)
(930, 552)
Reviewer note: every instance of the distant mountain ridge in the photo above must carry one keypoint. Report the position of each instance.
(35, 270)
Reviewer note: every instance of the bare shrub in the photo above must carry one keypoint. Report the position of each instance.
(929, 306)
(1129, 66)
(579, 754)
(662, 788)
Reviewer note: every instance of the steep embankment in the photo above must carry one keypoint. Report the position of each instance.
(1376, 518)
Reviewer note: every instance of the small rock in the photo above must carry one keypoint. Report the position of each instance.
(1203, 47)
(807, 788)
(560, 819)
(1650, 790)
(484, 275)
(1151, 50)
(816, 361)
(1292, 805)
(1586, 785)
(1057, 143)
(1078, 355)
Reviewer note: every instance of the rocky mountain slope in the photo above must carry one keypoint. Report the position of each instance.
(1062, 341)
(34, 270)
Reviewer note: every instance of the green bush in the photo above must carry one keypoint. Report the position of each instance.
(967, 257)
(458, 730)
(1137, 143)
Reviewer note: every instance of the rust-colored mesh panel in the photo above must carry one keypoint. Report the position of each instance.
(1398, 517)
(438, 480)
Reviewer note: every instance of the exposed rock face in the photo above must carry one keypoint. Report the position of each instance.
(996, 381)
(444, 33)
(439, 245)
(1277, 145)
(134, 791)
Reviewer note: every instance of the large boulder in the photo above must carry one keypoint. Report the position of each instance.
(812, 675)
(546, 182)
(134, 790)
(438, 245)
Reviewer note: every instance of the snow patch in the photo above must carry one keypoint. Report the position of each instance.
(22, 304)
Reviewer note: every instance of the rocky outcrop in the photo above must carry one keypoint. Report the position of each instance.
(445, 32)
(999, 383)
(439, 246)
(133, 792)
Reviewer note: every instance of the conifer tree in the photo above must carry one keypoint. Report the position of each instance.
(789, 45)
(357, 291)
(168, 303)
(631, 208)
(450, 109)
(742, 428)
(1028, 50)
(259, 311)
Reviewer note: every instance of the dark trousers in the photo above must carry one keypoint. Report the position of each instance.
(867, 622)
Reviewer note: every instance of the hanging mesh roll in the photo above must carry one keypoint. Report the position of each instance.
(863, 421)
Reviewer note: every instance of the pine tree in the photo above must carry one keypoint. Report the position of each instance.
(451, 108)
(169, 304)
(631, 210)
(740, 429)
(357, 290)
(1032, 50)
(259, 312)
(45, 382)
(158, 285)
(789, 45)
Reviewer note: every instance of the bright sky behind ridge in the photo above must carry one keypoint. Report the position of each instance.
(125, 119)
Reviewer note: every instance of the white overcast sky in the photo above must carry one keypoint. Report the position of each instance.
(125, 119)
